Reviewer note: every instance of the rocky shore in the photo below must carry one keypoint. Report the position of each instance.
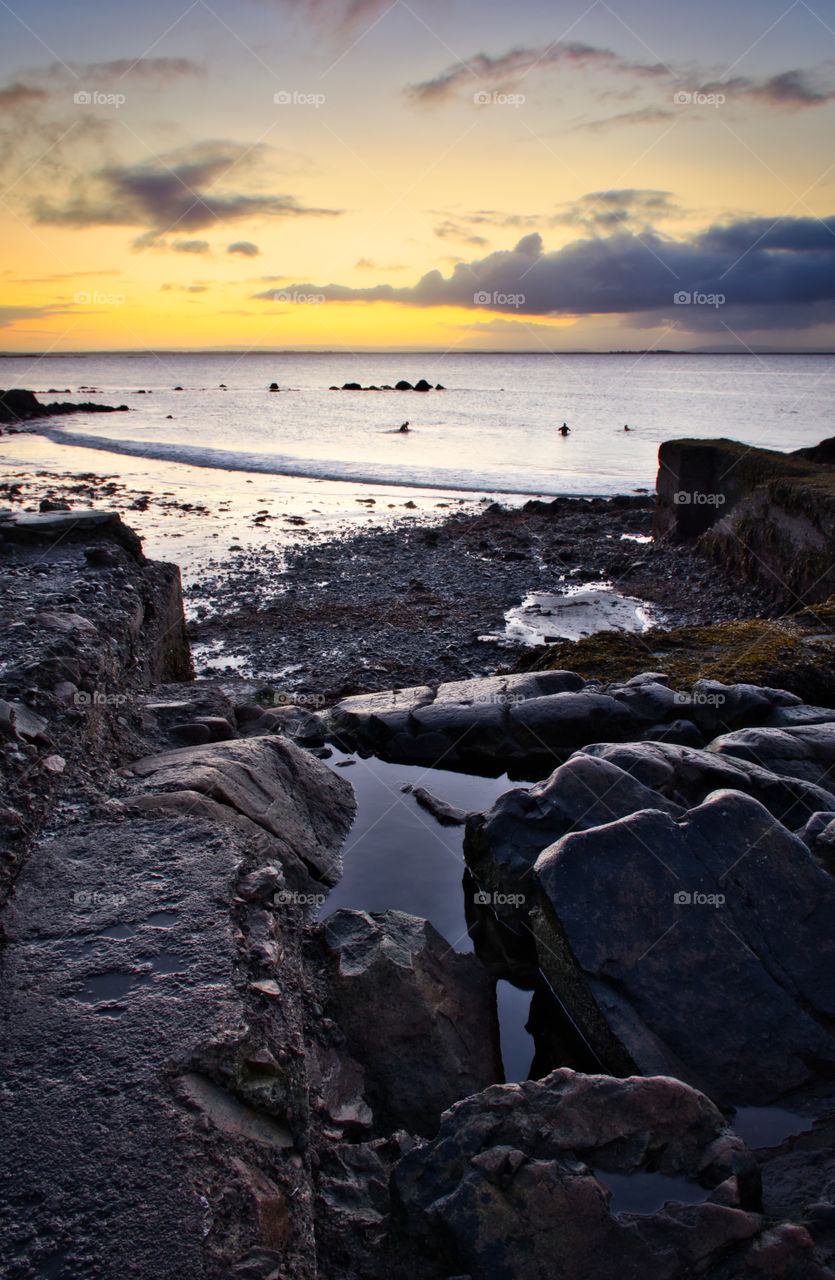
(202, 1078)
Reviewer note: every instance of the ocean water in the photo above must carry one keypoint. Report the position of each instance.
(493, 430)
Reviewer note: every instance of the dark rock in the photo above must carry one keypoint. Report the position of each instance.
(435, 1031)
(687, 776)
(502, 845)
(423, 385)
(446, 814)
(191, 734)
(403, 385)
(296, 799)
(682, 732)
(515, 1185)
(695, 947)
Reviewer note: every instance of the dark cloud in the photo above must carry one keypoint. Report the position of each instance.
(9, 316)
(19, 95)
(184, 288)
(189, 246)
(175, 192)
(793, 90)
(244, 247)
(764, 271)
(509, 67)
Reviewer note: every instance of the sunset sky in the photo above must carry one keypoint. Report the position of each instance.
(354, 174)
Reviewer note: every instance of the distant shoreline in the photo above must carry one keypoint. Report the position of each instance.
(386, 351)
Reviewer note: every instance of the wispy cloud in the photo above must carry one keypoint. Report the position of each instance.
(179, 192)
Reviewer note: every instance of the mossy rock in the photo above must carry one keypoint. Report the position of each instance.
(795, 653)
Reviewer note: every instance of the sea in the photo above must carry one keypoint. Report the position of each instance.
(494, 429)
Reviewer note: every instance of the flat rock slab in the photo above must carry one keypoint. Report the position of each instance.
(290, 794)
(701, 947)
(110, 972)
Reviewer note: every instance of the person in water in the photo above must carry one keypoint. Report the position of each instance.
(626, 428)
(404, 427)
(565, 430)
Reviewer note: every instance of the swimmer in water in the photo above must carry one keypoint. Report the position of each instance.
(565, 430)
(404, 427)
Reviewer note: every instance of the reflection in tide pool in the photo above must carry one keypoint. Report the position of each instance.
(398, 857)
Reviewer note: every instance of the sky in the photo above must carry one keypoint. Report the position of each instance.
(417, 174)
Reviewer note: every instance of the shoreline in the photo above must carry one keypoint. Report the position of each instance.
(329, 589)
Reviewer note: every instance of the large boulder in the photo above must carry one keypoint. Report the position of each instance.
(419, 1017)
(502, 845)
(573, 1177)
(700, 947)
(799, 751)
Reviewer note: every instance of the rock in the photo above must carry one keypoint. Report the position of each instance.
(515, 1185)
(191, 734)
(435, 1031)
(502, 845)
(486, 723)
(446, 814)
(695, 947)
(101, 558)
(18, 721)
(687, 776)
(54, 764)
(423, 385)
(681, 732)
(800, 751)
(294, 797)
(351, 386)
(51, 504)
(403, 385)
(819, 837)
(220, 730)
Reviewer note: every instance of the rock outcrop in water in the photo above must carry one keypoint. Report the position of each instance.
(23, 406)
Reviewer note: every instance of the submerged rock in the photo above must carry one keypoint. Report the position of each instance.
(419, 1017)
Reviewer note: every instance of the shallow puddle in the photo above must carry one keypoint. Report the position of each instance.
(644, 1193)
(579, 610)
(769, 1126)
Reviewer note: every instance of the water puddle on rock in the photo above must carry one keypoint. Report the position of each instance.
(398, 857)
(769, 1126)
(644, 1193)
(579, 610)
